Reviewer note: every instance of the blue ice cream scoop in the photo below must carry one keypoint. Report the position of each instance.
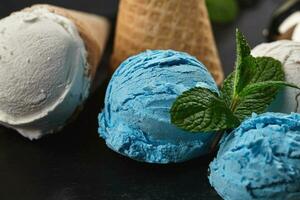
(260, 160)
(136, 120)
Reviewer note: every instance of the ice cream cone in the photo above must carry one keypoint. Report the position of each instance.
(155, 24)
(51, 58)
(93, 29)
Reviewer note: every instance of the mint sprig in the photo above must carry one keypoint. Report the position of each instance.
(251, 87)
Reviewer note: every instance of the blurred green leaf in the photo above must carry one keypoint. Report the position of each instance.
(222, 11)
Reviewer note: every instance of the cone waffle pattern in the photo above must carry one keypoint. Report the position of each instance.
(181, 25)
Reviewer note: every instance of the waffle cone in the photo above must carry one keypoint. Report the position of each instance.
(93, 29)
(155, 24)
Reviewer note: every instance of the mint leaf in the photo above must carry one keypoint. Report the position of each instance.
(263, 79)
(226, 90)
(257, 97)
(269, 69)
(251, 87)
(265, 85)
(201, 110)
(242, 47)
(252, 70)
(245, 64)
(265, 69)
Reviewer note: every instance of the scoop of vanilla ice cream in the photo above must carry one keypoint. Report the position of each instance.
(287, 52)
(296, 33)
(43, 72)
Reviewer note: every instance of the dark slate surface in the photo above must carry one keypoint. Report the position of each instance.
(76, 165)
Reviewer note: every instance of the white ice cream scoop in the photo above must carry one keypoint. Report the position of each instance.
(291, 24)
(48, 58)
(288, 53)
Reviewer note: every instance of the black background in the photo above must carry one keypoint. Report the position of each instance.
(75, 164)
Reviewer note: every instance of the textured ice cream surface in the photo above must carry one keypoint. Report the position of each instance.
(287, 52)
(42, 72)
(136, 120)
(260, 159)
(296, 33)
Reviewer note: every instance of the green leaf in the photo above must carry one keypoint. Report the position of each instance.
(227, 89)
(265, 85)
(224, 11)
(251, 87)
(201, 110)
(267, 69)
(245, 63)
(242, 47)
(256, 101)
(257, 90)
(257, 97)
(253, 70)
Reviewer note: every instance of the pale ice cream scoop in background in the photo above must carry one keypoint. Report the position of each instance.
(260, 160)
(291, 22)
(136, 120)
(44, 71)
(288, 53)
